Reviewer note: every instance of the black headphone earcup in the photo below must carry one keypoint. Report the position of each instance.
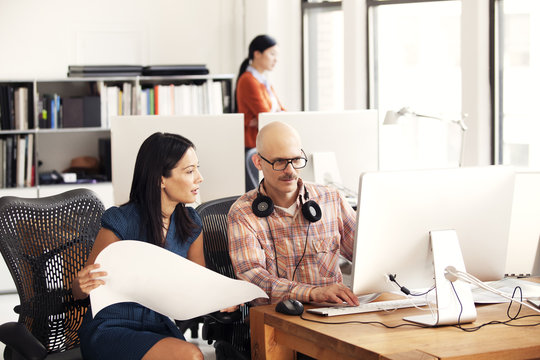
(311, 211)
(262, 206)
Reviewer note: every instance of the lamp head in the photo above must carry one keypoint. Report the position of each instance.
(391, 118)
(406, 111)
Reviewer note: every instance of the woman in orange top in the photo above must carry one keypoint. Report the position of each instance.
(254, 94)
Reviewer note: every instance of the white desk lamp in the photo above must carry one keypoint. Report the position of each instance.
(392, 118)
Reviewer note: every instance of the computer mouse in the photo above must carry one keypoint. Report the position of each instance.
(290, 307)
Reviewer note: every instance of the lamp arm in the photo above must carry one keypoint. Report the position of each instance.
(460, 122)
(407, 111)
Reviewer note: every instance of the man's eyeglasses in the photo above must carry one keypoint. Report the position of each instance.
(281, 164)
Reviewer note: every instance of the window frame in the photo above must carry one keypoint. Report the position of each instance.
(495, 82)
(307, 5)
(496, 76)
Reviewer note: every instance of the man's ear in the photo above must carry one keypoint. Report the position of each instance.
(257, 161)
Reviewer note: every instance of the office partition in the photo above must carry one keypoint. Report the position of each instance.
(349, 137)
(219, 142)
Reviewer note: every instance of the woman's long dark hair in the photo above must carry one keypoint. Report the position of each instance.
(259, 43)
(157, 156)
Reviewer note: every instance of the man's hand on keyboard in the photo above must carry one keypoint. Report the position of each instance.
(335, 293)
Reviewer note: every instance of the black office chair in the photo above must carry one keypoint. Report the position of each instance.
(45, 242)
(231, 336)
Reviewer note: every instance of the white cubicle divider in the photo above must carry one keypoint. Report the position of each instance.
(219, 142)
(420, 143)
(352, 136)
(523, 255)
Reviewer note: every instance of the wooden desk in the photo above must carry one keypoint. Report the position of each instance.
(277, 336)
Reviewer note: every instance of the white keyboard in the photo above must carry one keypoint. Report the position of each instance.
(368, 307)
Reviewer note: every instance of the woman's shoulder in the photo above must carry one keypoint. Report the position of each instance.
(246, 76)
(120, 218)
(123, 211)
(247, 79)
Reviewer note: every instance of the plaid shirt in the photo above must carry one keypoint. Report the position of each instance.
(254, 243)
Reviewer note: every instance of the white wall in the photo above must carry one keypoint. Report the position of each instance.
(41, 38)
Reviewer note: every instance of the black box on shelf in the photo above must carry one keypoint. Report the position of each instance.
(104, 70)
(72, 112)
(162, 70)
(92, 111)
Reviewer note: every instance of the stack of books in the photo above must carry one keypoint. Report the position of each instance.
(16, 112)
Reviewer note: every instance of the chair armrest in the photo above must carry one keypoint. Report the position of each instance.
(20, 339)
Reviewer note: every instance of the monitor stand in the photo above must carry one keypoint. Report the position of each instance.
(450, 310)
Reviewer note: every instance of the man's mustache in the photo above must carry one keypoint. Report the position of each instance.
(288, 177)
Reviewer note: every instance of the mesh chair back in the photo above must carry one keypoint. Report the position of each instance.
(216, 249)
(216, 255)
(45, 242)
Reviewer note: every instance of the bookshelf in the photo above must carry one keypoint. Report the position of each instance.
(45, 123)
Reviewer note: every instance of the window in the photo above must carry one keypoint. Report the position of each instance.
(417, 56)
(517, 44)
(322, 55)
(415, 62)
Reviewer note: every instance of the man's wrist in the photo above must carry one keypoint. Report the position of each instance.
(312, 293)
(302, 292)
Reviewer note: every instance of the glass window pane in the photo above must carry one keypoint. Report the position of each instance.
(520, 46)
(418, 56)
(323, 59)
(417, 64)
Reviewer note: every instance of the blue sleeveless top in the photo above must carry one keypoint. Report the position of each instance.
(129, 330)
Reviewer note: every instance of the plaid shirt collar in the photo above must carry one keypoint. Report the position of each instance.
(300, 198)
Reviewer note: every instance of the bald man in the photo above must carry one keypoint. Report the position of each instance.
(286, 236)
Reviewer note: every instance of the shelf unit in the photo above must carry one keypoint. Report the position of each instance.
(82, 107)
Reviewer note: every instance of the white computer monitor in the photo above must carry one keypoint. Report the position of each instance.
(340, 145)
(397, 210)
(523, 257)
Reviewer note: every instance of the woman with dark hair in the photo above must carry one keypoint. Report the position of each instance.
(254, 94)
(166, 177)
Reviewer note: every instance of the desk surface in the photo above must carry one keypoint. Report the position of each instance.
(275, 336)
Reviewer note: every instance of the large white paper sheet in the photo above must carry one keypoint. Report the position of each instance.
(165, 282)
(529, 289)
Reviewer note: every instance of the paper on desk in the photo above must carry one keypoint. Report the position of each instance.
(165, 282)
(529, 289)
